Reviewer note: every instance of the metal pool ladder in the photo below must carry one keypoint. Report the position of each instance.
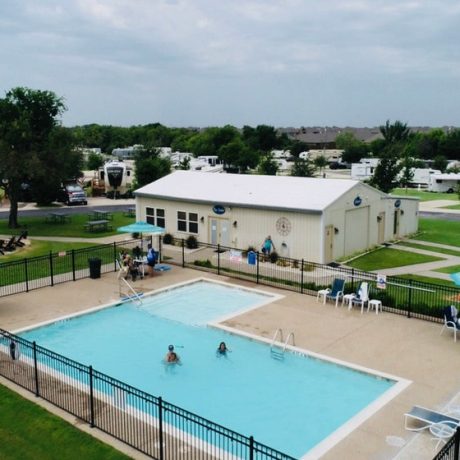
(277, 348)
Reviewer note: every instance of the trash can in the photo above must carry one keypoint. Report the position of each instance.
(252, 258)
(94, 267)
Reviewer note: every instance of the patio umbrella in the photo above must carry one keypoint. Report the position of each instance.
(456, 278)
(141, 227)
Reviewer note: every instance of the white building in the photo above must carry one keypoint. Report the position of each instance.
(444, 182)
(318, 220)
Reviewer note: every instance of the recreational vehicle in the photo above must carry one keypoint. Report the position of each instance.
(444, 183)
(116, 177)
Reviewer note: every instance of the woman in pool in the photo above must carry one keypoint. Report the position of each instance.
(222, 349)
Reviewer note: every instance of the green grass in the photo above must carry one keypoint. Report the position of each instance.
(439, 231)
(37, 226)
(428, 279)
(29, 432)
(425, 196)
(455, 206)
(431, 248)
(389, 258)
(451, 269)
(39, 248)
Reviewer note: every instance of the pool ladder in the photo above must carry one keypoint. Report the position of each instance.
(277, 348)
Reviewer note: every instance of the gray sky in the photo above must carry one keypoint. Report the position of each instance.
(217, 62)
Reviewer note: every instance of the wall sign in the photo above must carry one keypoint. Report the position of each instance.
(218, 209)
(357, 201)
(397, 203)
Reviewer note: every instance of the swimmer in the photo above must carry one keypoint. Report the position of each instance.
(172, 357)
(222, 349)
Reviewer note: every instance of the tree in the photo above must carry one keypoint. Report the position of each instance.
(268, 166)
(150, 166)
(396, 132)
(386, 171)
(303, 168)
(297, 147)
(440, 162)
(94, 162)
(184, 164)
(28, 121)
(353, 149)
(237, 154)
(320, 162)
(407, 166)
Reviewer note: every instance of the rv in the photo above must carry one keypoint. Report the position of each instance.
(448, 183)
(116, 177)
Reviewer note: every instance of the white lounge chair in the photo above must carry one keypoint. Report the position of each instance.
(426, 418)
(361, 297)
(450, 321)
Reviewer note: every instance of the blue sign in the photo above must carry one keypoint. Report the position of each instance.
(218, 209)
(357, 201)
(397, 203)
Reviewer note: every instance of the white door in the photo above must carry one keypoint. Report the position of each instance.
(219, 231)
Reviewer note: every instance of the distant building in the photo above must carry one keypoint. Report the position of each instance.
(126, 153)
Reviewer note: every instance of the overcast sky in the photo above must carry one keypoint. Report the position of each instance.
(217, 62)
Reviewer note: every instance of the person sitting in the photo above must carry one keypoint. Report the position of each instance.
(222, 349)
(172, 357)
(133, 270)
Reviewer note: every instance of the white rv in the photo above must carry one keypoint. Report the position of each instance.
(117, 177)
(364, 170)
(444, 183)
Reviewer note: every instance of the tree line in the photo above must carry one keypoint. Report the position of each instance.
(37, 151)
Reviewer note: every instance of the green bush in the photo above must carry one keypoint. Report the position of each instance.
(203, 263)
(191, 242)
(274, 257)
(168, 238)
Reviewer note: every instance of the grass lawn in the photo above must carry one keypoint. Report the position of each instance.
(38, 227)
(455, 206)
(439, 231)
(29, 432)
(431, 248)
(427, 279)
(39, 248)
(451, 269)
(389, 258)
(423, 195)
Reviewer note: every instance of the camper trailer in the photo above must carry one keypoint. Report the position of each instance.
(444, 183)
(116, 177)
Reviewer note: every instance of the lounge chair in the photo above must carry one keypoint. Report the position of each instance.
(362, 297)
(450, 320)
(10, 246)
(334, 293)
(22, 236)
(426, 418)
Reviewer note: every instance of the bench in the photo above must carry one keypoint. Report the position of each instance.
(98, 226)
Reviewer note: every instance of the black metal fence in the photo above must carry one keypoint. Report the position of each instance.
(403, 296)
(451, 450)
(147, 423)
(24, 275)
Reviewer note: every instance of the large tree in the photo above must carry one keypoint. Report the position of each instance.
(150, 166)
(28, 123)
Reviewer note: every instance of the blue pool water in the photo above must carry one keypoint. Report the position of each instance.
(290, 405)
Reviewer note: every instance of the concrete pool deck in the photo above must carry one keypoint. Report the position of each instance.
(409, 348)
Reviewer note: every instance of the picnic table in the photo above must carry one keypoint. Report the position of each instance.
(101, 225)
(129, 212)
(57, 217)
(101, 215)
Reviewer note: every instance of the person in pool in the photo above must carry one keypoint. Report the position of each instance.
(222, 349)
(172, 357)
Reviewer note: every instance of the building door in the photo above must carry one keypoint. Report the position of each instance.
(329, 244)
(381, 228)
(219, 231)
(396, 222)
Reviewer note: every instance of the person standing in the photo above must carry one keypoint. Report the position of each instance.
(268, 246)
(151, 258)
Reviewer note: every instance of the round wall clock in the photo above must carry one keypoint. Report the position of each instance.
(283, 226)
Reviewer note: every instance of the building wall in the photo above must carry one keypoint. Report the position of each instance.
(301, 236)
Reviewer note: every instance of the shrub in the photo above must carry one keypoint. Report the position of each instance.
(295, 263)
(274, 257)
(191, 242)
(203, 263)
(249, 249)
(282, 263)
(167, 238)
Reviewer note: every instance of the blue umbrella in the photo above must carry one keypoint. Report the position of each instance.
(456, 278)
(141, 227)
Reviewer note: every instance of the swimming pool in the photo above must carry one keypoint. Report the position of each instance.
(290, 405)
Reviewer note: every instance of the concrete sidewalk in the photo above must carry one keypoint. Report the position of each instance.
(439, 206)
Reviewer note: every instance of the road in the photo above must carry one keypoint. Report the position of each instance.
(103, 204)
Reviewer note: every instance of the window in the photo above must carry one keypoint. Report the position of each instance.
(155, 217)
(187, 222)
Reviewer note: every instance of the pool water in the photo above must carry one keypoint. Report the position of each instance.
(290, 405)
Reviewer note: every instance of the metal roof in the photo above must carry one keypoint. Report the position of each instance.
(285, 192)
